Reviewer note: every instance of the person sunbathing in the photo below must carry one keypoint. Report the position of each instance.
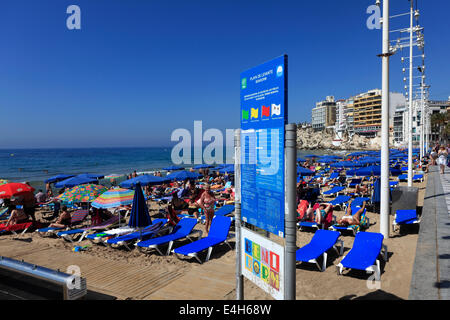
(362, 189)
(63, 220)
(349, 219)
(17, 216)
(319, 214)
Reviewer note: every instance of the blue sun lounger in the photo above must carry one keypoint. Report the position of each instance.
(225, 210)
(147, 232)
(354, 182)
(321, 242)
(393, 184)
(340, 201)
(334, 190)
(405, 217)
(358, 201)
(182, 230)
(364, 254)
(218, 233)
(99, 237)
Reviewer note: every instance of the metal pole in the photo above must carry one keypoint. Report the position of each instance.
(384, 196)
(410, 115)
(237, 214)
(290, 212)
(422, 125)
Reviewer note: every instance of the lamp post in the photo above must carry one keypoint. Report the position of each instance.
(410, 113)
(384, 196)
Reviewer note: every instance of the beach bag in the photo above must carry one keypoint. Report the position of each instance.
(301, 209)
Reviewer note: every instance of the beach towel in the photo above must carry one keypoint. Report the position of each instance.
(301, 209)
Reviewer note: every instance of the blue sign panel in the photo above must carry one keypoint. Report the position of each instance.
(263, 118)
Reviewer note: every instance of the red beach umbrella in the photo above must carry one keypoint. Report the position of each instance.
(14, 189)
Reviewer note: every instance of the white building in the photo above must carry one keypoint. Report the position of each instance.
(324, 114)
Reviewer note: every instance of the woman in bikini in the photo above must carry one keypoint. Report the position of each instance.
(206, 202)
(17, 216)
(63, 220)
(349, 219)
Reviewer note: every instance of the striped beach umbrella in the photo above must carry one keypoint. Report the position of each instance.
(114, 176)
(83, 193)
(114, 198)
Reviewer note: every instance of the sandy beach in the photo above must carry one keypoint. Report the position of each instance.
(311, 284)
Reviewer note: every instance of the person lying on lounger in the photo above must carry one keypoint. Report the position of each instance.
(349, 219)
(17, 216)
(63, 220)
(319, 214)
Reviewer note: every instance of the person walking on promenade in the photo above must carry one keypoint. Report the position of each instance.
(442, 158)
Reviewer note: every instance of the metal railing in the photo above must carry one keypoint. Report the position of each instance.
(74, 287)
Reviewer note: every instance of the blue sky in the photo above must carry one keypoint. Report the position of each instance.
(139, 69)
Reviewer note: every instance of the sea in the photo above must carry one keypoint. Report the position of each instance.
(37, 165)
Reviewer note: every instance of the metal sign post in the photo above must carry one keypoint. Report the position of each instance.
(237, 214)
(290, 215)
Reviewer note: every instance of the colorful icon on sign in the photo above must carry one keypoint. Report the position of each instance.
(263, 263)
(244, 83)
(245, 114)
(276, 109)
(265, 111)
(279, 71)
(254, 113)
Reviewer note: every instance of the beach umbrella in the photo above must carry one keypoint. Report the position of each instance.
(203, 166)
(325, 160)
(74, 181)
(59, 177)
(373, 171)
(301, 160)
(173, 168)
(345, 164)
(139, 217)
(12, 189)
(311, 156)
(219, 167)
(304, 172)
(376, 196)
(3, 181)
(114, 198)
(143, 180)
(227, 169)
(182, 175)
(82, 193)
(114, 176)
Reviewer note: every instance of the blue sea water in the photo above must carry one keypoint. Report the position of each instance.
(40, 164)
(36, 165)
